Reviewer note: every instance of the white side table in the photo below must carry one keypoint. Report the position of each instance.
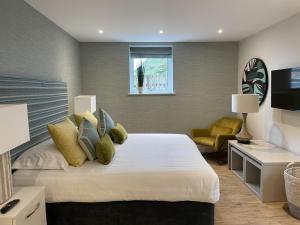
(29, 211)
(260, 166)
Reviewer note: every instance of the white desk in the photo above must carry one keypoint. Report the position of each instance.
(260, 166)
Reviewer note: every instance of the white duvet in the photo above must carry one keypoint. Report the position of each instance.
(162, 167)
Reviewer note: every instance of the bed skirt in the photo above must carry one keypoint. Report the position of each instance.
(130, 213)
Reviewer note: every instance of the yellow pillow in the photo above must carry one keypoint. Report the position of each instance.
(65, 135)
(217, 130)
(87, 115)
(105, 150)
(119, 134)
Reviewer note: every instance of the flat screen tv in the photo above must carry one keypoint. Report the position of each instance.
(285, 89)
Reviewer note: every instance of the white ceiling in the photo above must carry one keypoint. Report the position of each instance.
(181, 20)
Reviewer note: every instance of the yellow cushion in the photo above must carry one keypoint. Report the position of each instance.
(210, 141)
(119, 134)
(105, 150)
(65, 135)
(218, 130)
(87, 115)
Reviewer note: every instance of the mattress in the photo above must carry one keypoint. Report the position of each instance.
(149, 167)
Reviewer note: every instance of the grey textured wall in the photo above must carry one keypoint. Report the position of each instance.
(32, 46)
(204, 79)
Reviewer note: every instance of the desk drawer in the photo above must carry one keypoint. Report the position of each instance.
(34, 213)
(6, 222)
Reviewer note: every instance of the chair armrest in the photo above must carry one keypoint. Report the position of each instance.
(200, 133)
(222, 139)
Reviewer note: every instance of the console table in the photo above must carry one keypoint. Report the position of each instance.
(260, 166)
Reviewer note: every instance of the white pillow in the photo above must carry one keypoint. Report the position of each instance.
(44, 156)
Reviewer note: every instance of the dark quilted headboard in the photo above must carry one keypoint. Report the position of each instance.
(47, 103)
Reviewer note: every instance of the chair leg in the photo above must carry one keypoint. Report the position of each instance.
(223, 158)
(220, 157)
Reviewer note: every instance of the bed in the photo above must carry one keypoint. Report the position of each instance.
(148, 170)
(154, 179)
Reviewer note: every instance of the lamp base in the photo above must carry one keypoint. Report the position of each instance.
(244, 141)
(5, 177)
(243, 136)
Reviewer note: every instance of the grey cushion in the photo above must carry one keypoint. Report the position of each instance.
(105, 123)
(88, 137)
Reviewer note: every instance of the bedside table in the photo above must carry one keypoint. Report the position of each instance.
(29, 211)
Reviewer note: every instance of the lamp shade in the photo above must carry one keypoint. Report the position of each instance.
(245, 103)
(14, 128)
(84, 103)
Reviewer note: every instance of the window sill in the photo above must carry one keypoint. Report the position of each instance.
(152, 94)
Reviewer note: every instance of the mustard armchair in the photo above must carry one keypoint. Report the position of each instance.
(217, 135)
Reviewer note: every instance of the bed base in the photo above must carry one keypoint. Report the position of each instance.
(130, 213)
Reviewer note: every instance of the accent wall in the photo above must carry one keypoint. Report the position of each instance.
(32, 46)
(204, 79)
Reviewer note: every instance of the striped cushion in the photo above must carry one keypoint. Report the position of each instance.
(88, 138)
(105, 123)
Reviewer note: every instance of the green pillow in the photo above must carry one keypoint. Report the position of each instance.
(217, 130)
(87, 115)
(64, 135)
(119, 134)
(105, 149)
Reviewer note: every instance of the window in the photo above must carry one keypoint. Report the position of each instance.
(157, 64)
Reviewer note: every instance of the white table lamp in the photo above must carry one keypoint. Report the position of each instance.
(84, 103)
(244, 103)
(14, 131)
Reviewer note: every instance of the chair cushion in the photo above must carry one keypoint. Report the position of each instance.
(209, 141)
(233, 123)
(218, 130)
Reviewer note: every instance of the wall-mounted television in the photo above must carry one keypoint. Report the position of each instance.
(285, 89)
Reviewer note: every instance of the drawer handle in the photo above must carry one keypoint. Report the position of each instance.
(33, 211)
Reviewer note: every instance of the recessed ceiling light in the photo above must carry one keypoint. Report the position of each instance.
(161, 31)
(220, 31)
(100, 31)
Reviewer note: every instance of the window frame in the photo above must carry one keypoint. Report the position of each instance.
(170, 90)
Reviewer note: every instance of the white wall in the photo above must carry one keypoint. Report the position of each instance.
(279, 47)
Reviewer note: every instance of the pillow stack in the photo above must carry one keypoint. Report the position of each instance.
(92, 140)
(107, 129)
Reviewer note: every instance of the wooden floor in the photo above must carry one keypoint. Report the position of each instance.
(239, 206)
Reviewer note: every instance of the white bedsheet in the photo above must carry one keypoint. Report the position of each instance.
(162, 167)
